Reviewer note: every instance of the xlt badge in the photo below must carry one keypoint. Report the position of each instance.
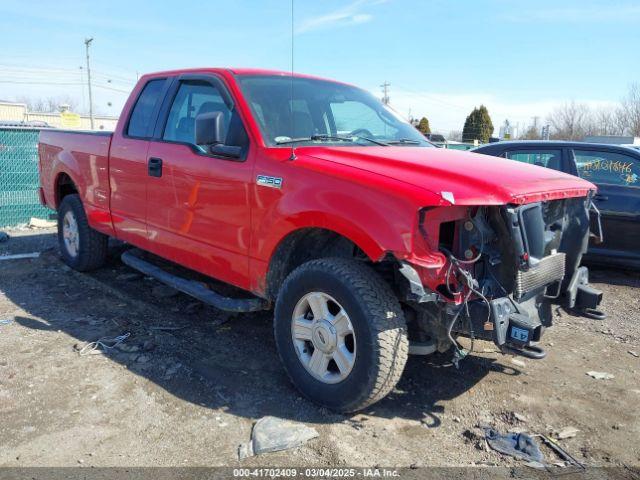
(266, 181)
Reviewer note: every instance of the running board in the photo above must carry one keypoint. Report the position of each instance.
(191, 287)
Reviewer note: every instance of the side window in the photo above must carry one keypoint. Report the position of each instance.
(542, 158)
(193, 98)
(143, 109)
(608, 168)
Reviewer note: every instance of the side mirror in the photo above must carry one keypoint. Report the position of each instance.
(230, 151)
(209, 128)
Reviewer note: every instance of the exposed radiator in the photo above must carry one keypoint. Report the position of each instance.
(550, 269)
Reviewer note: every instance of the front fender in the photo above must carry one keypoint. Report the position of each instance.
(376, 223)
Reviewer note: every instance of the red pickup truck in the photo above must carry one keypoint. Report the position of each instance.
(312, 197)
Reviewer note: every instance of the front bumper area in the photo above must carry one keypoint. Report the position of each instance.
(502, 272)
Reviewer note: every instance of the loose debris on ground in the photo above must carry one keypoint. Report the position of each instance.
(272, 434)
(518, 445)
(20, 256)
(41, 223)
(600, 375)
(102, 344)
(567, 432)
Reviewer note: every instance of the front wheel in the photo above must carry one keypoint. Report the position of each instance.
(341, 333)
(81, 247)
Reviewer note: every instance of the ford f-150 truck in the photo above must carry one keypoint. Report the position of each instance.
(313, 198)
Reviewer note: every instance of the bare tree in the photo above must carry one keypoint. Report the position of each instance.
(531, 133)
(604, 121)
(49, 104)
(630, 111)
(620, 121)
(571, 121)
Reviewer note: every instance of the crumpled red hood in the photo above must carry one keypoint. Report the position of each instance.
(471, 178)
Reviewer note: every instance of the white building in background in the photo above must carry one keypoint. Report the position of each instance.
(18, 113)
(613, 139)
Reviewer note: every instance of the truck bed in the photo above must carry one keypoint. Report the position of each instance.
(83, 156)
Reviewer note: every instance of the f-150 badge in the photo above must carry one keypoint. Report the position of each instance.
(266, 181)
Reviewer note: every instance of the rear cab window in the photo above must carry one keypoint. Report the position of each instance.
(542, 158)
(607, 168)
(142, 113)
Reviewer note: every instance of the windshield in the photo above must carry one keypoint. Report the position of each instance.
(323, 112)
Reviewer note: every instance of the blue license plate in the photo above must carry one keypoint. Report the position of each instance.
(519, 334)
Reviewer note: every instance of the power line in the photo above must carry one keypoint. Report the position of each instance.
(41, 73)
(28, 82)
(105, 87)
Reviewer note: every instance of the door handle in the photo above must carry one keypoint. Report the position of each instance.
(600, 197)
(155, 167)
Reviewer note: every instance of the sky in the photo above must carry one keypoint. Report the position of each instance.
(441, 58)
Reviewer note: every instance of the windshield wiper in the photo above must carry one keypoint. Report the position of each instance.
(377, 142)
(403, 141)
(329, 137)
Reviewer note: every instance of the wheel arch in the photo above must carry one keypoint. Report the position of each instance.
(64, 185)
(309, 243)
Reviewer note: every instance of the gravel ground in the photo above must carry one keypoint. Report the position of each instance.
(188, 384)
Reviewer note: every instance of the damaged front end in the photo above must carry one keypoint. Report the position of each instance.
(495, 272)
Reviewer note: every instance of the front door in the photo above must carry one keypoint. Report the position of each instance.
(617, 176)
(198, 203)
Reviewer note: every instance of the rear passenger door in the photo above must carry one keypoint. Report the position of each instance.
(617, 176)
(128, 163)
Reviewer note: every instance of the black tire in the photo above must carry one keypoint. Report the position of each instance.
(379, 328)
(92, 246)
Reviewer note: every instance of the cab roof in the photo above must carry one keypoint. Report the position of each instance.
(240, 72)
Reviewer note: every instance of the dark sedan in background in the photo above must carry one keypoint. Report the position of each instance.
(616, 172)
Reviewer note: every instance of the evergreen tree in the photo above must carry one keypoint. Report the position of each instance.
(423, 126)
(478, 126)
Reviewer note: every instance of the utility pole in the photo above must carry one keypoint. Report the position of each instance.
(87, 42)
(545, 132)
(535, 122)
(385, 92)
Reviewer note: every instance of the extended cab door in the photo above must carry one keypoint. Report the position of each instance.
(617, 176)
(128, 162)
(198, 203)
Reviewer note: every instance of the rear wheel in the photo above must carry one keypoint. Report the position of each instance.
(81, 247)
(341, 333)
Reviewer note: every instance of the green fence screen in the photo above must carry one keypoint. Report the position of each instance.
(19, 180)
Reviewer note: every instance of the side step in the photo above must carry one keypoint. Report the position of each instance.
(190, 287)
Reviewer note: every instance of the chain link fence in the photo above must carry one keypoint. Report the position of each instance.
(19, 182)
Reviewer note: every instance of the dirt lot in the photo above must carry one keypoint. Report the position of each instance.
(189, 396)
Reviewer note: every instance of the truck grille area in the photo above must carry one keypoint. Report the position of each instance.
(548, 270)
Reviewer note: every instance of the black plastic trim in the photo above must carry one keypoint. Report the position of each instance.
(133, 259)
